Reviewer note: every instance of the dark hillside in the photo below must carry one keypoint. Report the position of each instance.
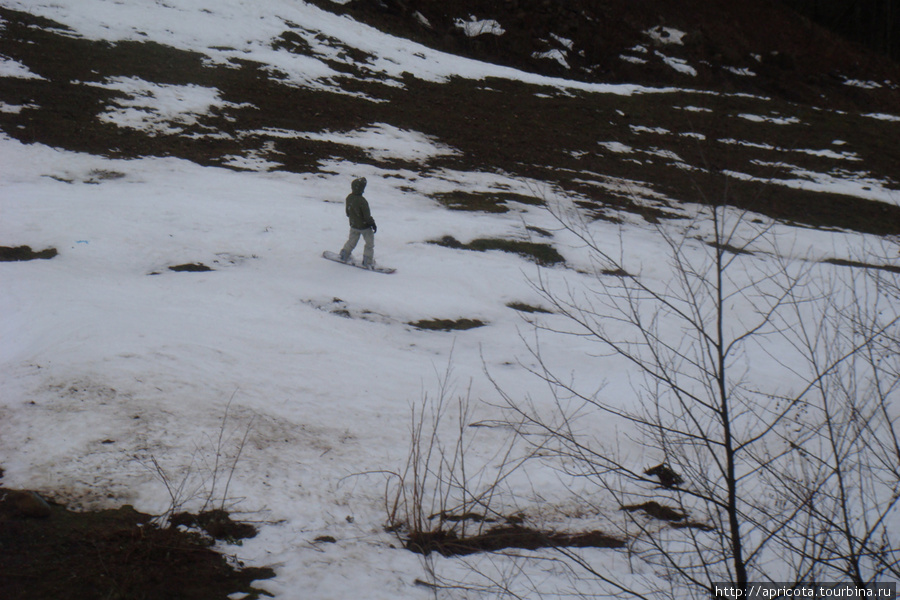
(872, 23)
(750, 104)
(791, 56)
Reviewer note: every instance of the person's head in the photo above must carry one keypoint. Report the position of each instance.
(359, 185)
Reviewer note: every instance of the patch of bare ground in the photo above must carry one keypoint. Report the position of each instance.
(501, 537)
(447, 324)
(676, 518)
(23, 253)
(861, 265)
(543, 254)
(118, 554)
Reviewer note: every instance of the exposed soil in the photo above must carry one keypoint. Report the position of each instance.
(22, 253)
(512, 533)
(217, 523)
(501, 537)
(854, 263)
(447, 324)
(50, 552)
(527, 308)
(483, 202)
(191, 268)
(543, 254)
(676, 519)
(657, 511)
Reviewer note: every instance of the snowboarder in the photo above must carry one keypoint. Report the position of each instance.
(361, 224)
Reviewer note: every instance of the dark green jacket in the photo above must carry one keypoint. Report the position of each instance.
(357, 207)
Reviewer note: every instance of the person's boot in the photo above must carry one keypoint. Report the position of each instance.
(368, 263)
(345, 256)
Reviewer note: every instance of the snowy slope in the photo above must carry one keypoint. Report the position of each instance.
(110, 361)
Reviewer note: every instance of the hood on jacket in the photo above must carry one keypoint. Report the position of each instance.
(359, 185)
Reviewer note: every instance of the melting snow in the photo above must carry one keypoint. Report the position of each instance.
(770, 119)
(383, 141)
(555, 54)
(678, 64)
(474, 27)
(665, 35)
(13, 109)
(565, 42)
(742, 71)
(882, 117)
(633, 59)
(645, 129)
(825, 153)
(848, 183)
(617, 147)
(159, 109)
(868, 85)
(13, 68)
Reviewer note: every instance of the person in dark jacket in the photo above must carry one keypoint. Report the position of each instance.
(361, 223)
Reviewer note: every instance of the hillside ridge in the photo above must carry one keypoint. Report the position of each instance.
(594, 40)
(681, 101)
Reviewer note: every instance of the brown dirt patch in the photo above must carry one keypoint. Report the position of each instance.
(52, 552)
(657, 511)
(447, 324)
(543, 254)
(448, 543)
(22, 253)
(190, 268)
(861, 265)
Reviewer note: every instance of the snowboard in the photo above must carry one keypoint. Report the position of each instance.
(353, 263)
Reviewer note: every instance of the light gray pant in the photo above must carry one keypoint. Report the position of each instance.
(368, 251)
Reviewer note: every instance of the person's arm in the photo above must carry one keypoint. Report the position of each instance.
(367, 215)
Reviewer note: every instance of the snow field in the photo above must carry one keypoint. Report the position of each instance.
(127, 362)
